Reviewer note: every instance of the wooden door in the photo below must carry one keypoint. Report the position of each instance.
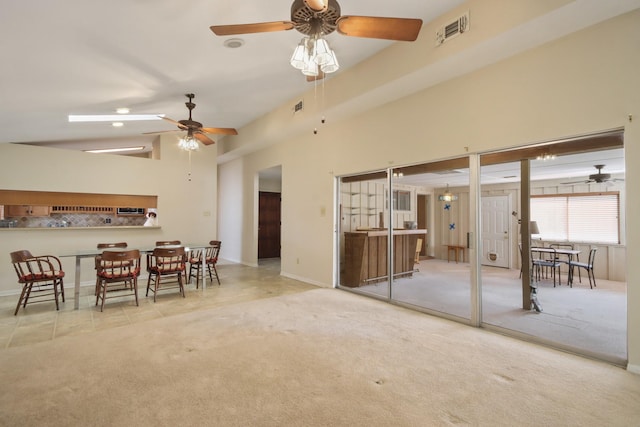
(269, 225)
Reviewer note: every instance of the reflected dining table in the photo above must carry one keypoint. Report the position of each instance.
(569, 253)
(92, 253)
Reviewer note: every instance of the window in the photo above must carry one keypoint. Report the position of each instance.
(578, 217)
(401, 200)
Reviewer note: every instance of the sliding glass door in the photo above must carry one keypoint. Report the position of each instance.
(420, 215)
(574, 251)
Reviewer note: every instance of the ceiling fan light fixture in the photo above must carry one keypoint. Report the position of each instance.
(188, 143)
(323, 52)
(311, 53)
(332, 65)
(299, 54)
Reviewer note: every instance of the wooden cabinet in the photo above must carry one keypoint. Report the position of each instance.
(26, 210)
(366, 255)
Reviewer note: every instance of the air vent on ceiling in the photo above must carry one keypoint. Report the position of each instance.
(298, 107)
(452, 29)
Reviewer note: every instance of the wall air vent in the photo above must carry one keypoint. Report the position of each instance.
(452, 29)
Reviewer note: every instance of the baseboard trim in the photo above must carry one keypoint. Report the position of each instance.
(633, 369)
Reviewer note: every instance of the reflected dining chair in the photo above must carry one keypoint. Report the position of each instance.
(588, 266)
(541, 265)
(118, 271)
(41, 278)
(211, 254)
(166, 264)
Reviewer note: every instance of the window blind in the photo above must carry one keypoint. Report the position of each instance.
(578, 218)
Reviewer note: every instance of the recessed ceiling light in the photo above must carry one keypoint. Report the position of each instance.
(233, 43)
(117, 124)
(122, 110)
(115, 150)
(113, 117)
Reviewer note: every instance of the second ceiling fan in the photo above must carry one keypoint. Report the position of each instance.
(317, 18)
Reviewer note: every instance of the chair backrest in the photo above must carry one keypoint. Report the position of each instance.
(112, 245)
(118, 264)
(167, 260)
(214, 250)
(561, 245)
(40, 268)
(592, 256)
(167, 242)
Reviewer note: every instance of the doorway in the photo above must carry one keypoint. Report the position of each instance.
(269, 225)
(496, 239)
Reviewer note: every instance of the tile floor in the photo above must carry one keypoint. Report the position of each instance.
(41, 322)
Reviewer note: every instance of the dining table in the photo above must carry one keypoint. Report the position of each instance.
(93, 252)
(569, 253)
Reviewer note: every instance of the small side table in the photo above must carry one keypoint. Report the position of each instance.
(456, 249)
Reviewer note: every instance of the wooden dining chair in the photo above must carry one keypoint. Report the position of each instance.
(41, 278)
(168, 265)
(118, 274)
(98, 258)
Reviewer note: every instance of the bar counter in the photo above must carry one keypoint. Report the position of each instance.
(366, 255)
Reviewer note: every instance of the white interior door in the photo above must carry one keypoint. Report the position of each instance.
(495, 231)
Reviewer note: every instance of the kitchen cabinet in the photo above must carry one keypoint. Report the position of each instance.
(26, 210)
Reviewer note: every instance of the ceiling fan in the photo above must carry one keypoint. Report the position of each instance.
(316, 18)
(195, 129)
(597, 177)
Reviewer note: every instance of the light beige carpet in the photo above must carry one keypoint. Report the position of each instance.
(318, 358)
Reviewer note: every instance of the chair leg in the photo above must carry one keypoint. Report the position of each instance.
(135, 289)
(181, 285)
(55, 293)
(104, 295)
(22, 295)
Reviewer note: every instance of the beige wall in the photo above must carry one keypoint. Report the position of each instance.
(583, 83)
(182, 204)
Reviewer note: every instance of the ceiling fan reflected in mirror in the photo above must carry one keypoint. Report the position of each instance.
(195, 130)
(318, 18)
(599, 177)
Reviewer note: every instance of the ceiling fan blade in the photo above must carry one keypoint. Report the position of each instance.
(221, 131)
(577, 182)
(401, 29)
(180, 125)
(263, 27)
(160, 131)
(203, 138)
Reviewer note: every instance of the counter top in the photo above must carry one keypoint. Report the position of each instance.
(112, 227)
(385, 231)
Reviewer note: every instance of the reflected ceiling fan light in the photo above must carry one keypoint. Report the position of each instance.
(297, 59)
(447, 196)
(188, 143)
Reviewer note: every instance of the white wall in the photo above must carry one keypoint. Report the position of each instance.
(187, 210)
(583, 83)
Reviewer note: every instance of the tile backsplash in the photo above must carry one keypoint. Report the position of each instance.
(79, 220)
